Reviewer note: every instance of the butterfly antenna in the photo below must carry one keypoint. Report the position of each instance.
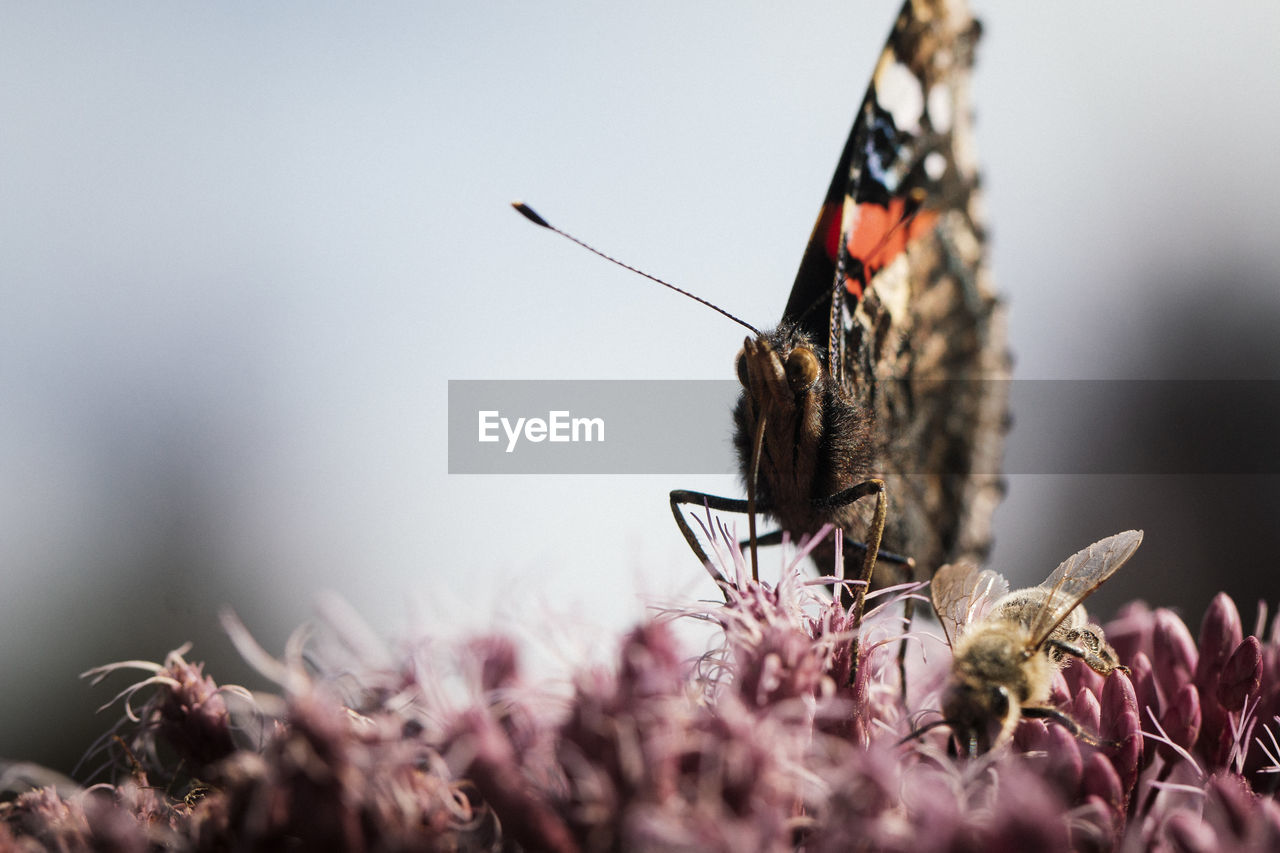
(530, 214)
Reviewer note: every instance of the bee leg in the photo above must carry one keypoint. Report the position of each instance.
(848, 496)
(1093, 639)
(915, 734)
(680, 497)
(1076, 730)
(1101, 659)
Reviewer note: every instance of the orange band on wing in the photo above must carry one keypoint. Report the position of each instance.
(882, 234)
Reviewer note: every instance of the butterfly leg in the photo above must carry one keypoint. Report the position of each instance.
(842, 498)
(680, 497)
(854, 546)
(907, 565)
(851, 546)
(908, 614)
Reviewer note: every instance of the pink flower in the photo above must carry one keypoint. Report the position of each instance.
(789, 734)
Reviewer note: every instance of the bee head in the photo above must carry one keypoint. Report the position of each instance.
(980, 715)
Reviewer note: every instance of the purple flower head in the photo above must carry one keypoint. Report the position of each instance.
(1234, 818)
(48, 819)
(183, 708)
(788, 735)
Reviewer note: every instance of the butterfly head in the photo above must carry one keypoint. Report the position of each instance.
(778, 370)
(805, 414)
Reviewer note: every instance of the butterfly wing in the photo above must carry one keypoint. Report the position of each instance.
(864, 223)
(893, 283)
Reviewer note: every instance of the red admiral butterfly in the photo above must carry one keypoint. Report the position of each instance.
(882, 376)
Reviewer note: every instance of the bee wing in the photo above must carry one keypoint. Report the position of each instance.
(961, 595)
(1078, 576)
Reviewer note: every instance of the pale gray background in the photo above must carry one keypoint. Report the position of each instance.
(243, 247)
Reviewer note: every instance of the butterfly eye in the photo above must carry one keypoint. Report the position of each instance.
(742, 367)
(802, 368)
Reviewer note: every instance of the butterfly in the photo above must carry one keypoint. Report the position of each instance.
(884, 377)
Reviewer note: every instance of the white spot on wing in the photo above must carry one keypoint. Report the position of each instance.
(899, 93)
(892, 285)
(848, 218)
(935, 165)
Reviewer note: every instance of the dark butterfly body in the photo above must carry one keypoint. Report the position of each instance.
(885, 375)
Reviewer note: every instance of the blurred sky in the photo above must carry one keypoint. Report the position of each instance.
(244, 246)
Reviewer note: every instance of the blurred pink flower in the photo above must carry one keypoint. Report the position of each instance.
(789, 735)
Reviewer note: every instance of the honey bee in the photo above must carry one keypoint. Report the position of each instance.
(1006, 646)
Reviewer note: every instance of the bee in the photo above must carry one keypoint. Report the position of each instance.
(1006, 646)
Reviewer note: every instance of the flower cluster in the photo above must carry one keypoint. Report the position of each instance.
(795, 732)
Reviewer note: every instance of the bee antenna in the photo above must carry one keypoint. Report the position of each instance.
(530, 214)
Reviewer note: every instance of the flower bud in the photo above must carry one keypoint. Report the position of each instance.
(1086, 711)
(1060, 691)
(1031, 735)
(1241, 674)
(1082, 677)
(1220, 634)
(1120, 723)
(1065, 763)
(1181, 721)
(499, 661)
(1100, 779)
(1174, 654)
(1187, 833)
(194, 717)
(1144, 684)
(1229, 804)
(1095, 825)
